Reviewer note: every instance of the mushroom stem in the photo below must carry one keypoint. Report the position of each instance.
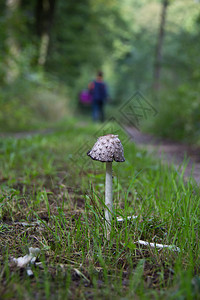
(108, 196)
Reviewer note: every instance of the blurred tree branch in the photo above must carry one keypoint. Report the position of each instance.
(159, 46)
(45, 10)
(13, 50)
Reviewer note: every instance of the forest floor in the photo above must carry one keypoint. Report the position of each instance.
(52, 201)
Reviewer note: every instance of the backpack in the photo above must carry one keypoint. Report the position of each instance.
(85, 97)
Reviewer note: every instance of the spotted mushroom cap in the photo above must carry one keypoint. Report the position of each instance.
(107, 148)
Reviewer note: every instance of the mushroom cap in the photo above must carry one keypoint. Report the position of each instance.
(107, 148)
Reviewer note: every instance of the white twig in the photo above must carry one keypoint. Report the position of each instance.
(154, 245)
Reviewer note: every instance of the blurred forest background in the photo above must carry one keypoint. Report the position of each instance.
(51, 49)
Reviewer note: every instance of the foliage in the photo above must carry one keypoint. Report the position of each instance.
(178, 108)
(119, 37)
(32, 103)
(178, 115)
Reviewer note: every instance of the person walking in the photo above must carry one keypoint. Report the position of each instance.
(98, 90)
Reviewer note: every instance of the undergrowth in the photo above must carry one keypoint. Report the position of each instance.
(32, 103)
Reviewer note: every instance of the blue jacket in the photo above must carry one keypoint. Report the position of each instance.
(99, 92)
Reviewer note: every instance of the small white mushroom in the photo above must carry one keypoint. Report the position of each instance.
(109, 148)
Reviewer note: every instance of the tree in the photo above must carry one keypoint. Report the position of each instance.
(159, 46)
(13, 51)
(45, 10)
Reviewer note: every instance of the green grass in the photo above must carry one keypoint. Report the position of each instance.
(51, 184)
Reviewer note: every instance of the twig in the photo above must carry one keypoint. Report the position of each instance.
(154, 245)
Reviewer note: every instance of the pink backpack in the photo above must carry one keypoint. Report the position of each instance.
(85, 97)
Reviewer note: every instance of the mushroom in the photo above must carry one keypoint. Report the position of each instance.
(106, 149)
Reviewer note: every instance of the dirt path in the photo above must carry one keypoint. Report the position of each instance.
(26, 134)
(170, 152)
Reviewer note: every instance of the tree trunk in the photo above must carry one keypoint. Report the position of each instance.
(159, 46)
(44, 19)
(13, 52)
